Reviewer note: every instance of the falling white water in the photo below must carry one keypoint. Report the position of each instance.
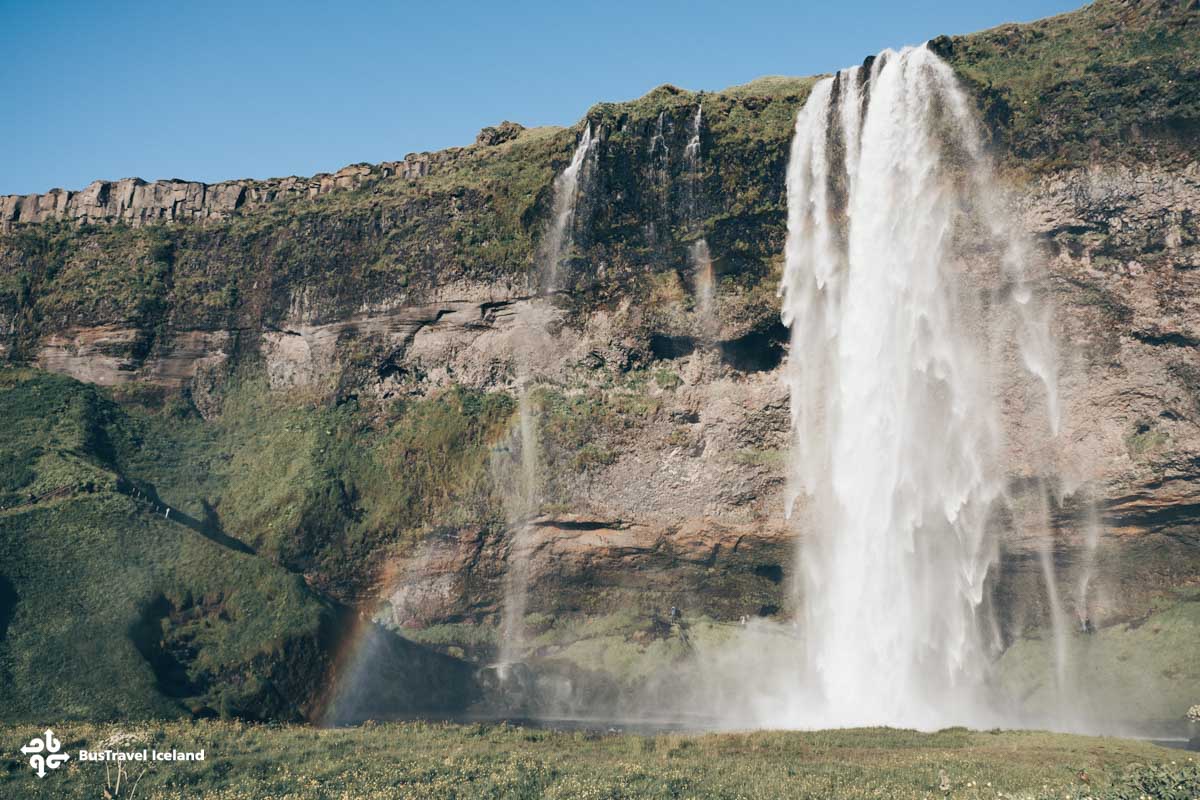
(566, 193)
(691, 163)
(702, 271)
(516, 470)
(1058, 618)
(660, 153)
(895, 459)
(522, 500)
(1087, 572)
(698, 252)
(522, 488)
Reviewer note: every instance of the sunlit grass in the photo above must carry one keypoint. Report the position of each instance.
(419, 760)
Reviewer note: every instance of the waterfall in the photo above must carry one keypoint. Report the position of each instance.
(1087, 572)
(515, 466)
(705, 282)
(522, 501)
(562, 218)
(660, 154)
(895, 463)
(1058, 619)
(691, 161)
(698, 252)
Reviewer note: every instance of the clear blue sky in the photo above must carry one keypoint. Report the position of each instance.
(213, 90)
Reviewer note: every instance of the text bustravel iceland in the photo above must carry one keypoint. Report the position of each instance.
(140, 755)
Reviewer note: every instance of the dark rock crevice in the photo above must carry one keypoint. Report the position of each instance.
(772, 572)
(168, 650)
(758, 351)
(580, 525)
(1166, 339)
(668, 348)
(8, 605)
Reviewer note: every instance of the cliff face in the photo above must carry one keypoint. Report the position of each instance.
(332, 361)
(135, 202)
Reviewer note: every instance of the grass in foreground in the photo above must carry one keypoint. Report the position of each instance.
(402, 760)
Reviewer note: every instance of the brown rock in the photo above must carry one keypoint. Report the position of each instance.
(505, 131)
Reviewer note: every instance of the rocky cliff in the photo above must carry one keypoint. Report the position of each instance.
(330, 364)
(135, 202)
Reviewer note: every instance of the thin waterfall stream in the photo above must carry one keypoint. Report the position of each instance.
(523, 495)
(698, 252)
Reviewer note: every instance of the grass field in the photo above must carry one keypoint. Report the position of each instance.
(423, 760)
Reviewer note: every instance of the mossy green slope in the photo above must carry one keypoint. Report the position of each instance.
(1141, 670)
(110, 606)
(327, 490)
(115, 610)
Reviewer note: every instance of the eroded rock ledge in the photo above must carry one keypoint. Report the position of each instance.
(137, 202)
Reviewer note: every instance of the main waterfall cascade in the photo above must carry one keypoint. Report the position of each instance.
(895, 470)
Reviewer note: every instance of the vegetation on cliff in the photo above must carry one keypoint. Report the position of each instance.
(296, 498)
(112, 609)
(122, 591)
(1113, 80)
(1118, 80)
